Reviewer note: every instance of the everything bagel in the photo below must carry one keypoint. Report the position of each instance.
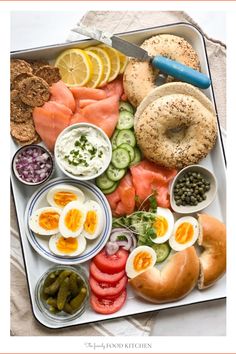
(175, 125)
(140, 77)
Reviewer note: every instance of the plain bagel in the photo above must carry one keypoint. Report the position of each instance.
(140, 77)
(175, 125)
(178, 277)
(213, 259)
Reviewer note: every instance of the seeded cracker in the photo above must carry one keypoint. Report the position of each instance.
(18, 79)
(36, 64)
(34, 91)
(19, 66)
(23, 132)
(20, 112)
(49, 74)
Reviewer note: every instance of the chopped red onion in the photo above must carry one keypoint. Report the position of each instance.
(33, 164)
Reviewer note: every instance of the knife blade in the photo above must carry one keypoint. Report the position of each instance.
(165, 65)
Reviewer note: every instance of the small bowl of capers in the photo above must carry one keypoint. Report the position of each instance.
(193, 189)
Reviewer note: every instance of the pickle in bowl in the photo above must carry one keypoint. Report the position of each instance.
(62, 293)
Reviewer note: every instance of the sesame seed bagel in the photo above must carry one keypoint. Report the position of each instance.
(175, 125)
(140, 77)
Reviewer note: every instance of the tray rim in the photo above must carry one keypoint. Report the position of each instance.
(221, 144)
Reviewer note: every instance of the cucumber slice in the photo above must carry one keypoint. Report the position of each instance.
(115, 174)
(110, 190)
(137, 156)
(162, 251)
(126, 106)
(113, 139)
(120, 158)
(130, 150)
(126, 120)
(103, 182)
(126, 136)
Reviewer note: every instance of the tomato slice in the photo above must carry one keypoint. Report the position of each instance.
(107, 290)
(105, 306)
(111, 264)
(105, 277)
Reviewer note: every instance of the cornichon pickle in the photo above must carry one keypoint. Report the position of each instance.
(75, 284)
(53, 288)
(63, 293)
(78, 300)
(68, 309)
(52, 302)
(53, 309)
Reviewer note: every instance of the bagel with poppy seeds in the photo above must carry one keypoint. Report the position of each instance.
(177, 278)
(175, 125)
(213, 259)
(140, 77)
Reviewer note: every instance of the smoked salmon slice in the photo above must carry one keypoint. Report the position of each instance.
(103, 113)
(122, 201)
(147, 177)
(114, 88)
(50, 120)
(81, 93)
(60, 93)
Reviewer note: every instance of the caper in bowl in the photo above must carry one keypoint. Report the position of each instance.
(193, 189)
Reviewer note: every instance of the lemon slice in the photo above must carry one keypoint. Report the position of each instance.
(123, 62)
(105, 61)
(115, 61)
(97, 64)
(75, 67)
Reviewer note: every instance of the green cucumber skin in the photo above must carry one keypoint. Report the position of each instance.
(118, 163)
(111, 176)
(126, 136)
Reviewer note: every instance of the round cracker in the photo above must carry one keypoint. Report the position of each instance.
(34, 91)
(19, 112)
(16, 82)
(49, 73)
(23, 132)
(19, 66)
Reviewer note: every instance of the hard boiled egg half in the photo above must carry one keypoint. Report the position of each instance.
(139, 260)
(62, 194)
(70, 246)
(45, 221)
(94, 221)
(72, 219)
(163, 225)
(185, 234)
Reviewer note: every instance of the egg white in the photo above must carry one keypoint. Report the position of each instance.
(64, 188)
(167, 214)
(91, 205)
(34, 221)
(53, 246)
(64, 230)
(130, 271)
(174, 244)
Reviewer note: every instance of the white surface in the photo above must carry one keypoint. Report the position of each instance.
(35, 29)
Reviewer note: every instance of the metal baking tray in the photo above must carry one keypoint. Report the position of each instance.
(35, 265)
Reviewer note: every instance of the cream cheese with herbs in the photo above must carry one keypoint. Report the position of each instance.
(83, 151)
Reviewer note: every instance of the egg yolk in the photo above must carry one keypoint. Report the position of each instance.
(184, 233)
(49, 220)
(161, 226)
(142, 260)
(67, 245)
(73, 219)
(63, 198)
(90, 222)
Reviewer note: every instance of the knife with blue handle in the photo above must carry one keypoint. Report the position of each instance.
(170, 67)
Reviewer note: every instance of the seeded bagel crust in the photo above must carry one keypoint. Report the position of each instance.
(139, 77)
(175, 125)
